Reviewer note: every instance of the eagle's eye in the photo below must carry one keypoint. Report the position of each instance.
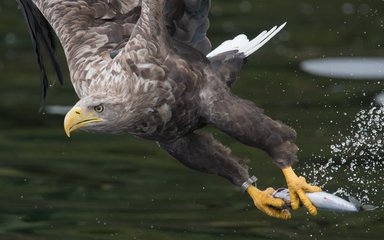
(99, 108)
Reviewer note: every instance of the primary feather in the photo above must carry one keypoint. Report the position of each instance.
(40, 30)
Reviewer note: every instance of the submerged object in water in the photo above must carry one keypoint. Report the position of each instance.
(327, 201)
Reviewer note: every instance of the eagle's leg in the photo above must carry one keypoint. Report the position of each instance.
(202, 152)
(247, 123)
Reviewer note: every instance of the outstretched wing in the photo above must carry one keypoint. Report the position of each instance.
(89, 31)
(92, 32)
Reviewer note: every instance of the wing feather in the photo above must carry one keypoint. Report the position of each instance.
(40, 30)
(92, 32)
(89, 30)
(187, 21)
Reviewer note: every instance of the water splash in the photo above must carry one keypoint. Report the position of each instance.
(357, 163)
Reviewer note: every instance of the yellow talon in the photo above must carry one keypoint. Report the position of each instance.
(266, 203)
(297, 187)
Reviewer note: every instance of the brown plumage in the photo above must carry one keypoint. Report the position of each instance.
(145, 68)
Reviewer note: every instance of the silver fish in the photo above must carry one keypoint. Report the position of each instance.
(327, 201)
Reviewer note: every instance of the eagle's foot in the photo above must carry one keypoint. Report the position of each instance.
(297, 187)
(266, 203)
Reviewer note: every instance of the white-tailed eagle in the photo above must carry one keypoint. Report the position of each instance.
(145, 67)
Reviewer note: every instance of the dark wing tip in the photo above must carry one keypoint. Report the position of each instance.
(40, 31)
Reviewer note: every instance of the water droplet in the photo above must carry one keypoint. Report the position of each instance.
(364, 174)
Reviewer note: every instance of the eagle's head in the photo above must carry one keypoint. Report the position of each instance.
(95, 113)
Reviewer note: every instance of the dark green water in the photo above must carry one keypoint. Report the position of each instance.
(120, 187)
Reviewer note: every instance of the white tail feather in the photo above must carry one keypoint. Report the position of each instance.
(243, 45)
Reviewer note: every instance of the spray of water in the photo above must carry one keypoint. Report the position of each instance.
(356, 167)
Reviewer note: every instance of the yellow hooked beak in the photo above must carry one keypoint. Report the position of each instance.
(77, 118)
